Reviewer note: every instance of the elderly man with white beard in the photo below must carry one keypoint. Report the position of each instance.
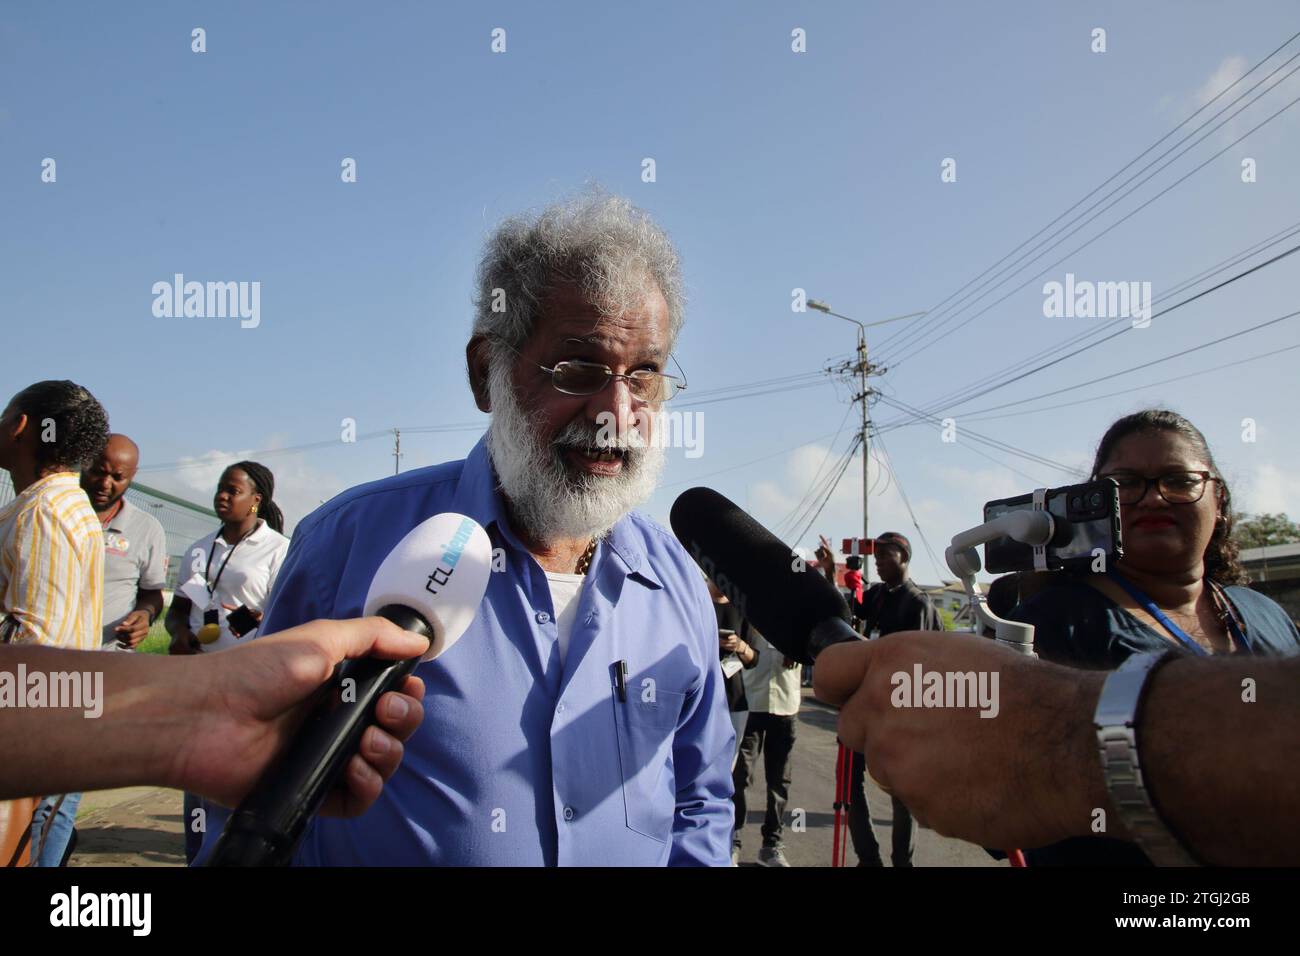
(582, 719)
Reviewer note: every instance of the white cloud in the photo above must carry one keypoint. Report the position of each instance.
(299, 487)
(1230, 70)
(1268, 489)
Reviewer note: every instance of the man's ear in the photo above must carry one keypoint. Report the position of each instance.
(476, 361)
(17, 425)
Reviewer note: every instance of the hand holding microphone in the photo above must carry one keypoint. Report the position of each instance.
(431, 584)
(244, 705)
(1024, 777)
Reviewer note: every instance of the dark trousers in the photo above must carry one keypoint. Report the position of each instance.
(773, 737)
(864, 838)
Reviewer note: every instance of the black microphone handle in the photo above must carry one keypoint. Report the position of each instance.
(266, 828)
(828, 632)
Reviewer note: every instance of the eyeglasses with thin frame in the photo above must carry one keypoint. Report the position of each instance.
(577, 377)
(1176, 487)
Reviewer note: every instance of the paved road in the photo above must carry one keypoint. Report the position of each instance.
(812, 790)
(141, 826)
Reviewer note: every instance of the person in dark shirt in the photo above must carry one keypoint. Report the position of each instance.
(732, 647)
(895, 604)
(1179, 583)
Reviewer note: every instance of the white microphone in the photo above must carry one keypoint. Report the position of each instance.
(439, 570)
(432, 583)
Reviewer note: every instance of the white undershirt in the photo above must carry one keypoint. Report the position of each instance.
(565, 589)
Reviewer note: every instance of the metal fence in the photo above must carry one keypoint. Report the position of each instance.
(184, 522)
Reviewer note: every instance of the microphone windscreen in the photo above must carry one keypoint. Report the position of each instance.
(440, 569)
(769, 584)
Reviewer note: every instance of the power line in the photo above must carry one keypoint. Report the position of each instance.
(915, 333)
(755, 393)
(994, 443)
(1120, 221)
(1139, 388)
(857, 440)
(957, 395)
(310, 446)
(938, 567)
(817, 474)
(938, 308)
(752, 461)
(1136, 368)
(808, 501)
(1127, 328)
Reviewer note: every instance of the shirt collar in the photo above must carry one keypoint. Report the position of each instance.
(257, 537)
(119, 518)
(478, 497)
(52, 480)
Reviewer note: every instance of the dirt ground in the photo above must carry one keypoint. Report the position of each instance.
(134, 826)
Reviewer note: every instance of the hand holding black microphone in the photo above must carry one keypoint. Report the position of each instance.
(1031, 776)
(960, 774)
(430, 584)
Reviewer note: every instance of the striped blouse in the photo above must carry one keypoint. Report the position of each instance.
(52, 565)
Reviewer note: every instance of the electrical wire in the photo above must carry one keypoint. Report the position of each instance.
(940, 568)
(956, 395)
(938, 308)
(912, 335)
(1139, 388)
(896, 361)
(1128, 327)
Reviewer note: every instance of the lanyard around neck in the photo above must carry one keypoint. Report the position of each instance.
(212, 588)
(1137, 594)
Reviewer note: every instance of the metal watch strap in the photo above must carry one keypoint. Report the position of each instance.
(1115, 720)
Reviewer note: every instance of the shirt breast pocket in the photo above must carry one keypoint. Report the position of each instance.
(645, 736)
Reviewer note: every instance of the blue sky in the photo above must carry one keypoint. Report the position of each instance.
(775, 170)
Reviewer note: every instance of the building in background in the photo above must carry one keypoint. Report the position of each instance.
(1275, 571)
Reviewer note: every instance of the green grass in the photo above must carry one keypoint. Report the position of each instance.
(158, 639)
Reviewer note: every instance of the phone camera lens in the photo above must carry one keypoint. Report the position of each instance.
(1076, 503)
(1095, 500)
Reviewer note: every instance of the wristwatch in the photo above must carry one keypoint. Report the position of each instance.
(1116, 718)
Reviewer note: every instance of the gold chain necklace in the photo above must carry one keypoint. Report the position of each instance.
(584, 562)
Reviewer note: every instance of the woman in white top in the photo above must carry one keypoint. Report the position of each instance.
(226, 577)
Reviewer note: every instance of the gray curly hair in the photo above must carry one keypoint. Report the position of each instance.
(602, 243)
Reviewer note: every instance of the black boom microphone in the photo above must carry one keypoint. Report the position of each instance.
(793, 606)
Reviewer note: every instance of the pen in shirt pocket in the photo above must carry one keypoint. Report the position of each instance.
(620, 679)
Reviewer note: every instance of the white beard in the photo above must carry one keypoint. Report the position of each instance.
(545, 497)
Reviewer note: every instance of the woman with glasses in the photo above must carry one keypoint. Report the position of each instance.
(1179, 582)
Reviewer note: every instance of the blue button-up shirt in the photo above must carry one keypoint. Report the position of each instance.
(522, 759)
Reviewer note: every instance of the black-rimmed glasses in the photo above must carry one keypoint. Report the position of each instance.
(1176, 487)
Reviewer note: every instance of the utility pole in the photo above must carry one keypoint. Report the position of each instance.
(397, 450)
(862, 368)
